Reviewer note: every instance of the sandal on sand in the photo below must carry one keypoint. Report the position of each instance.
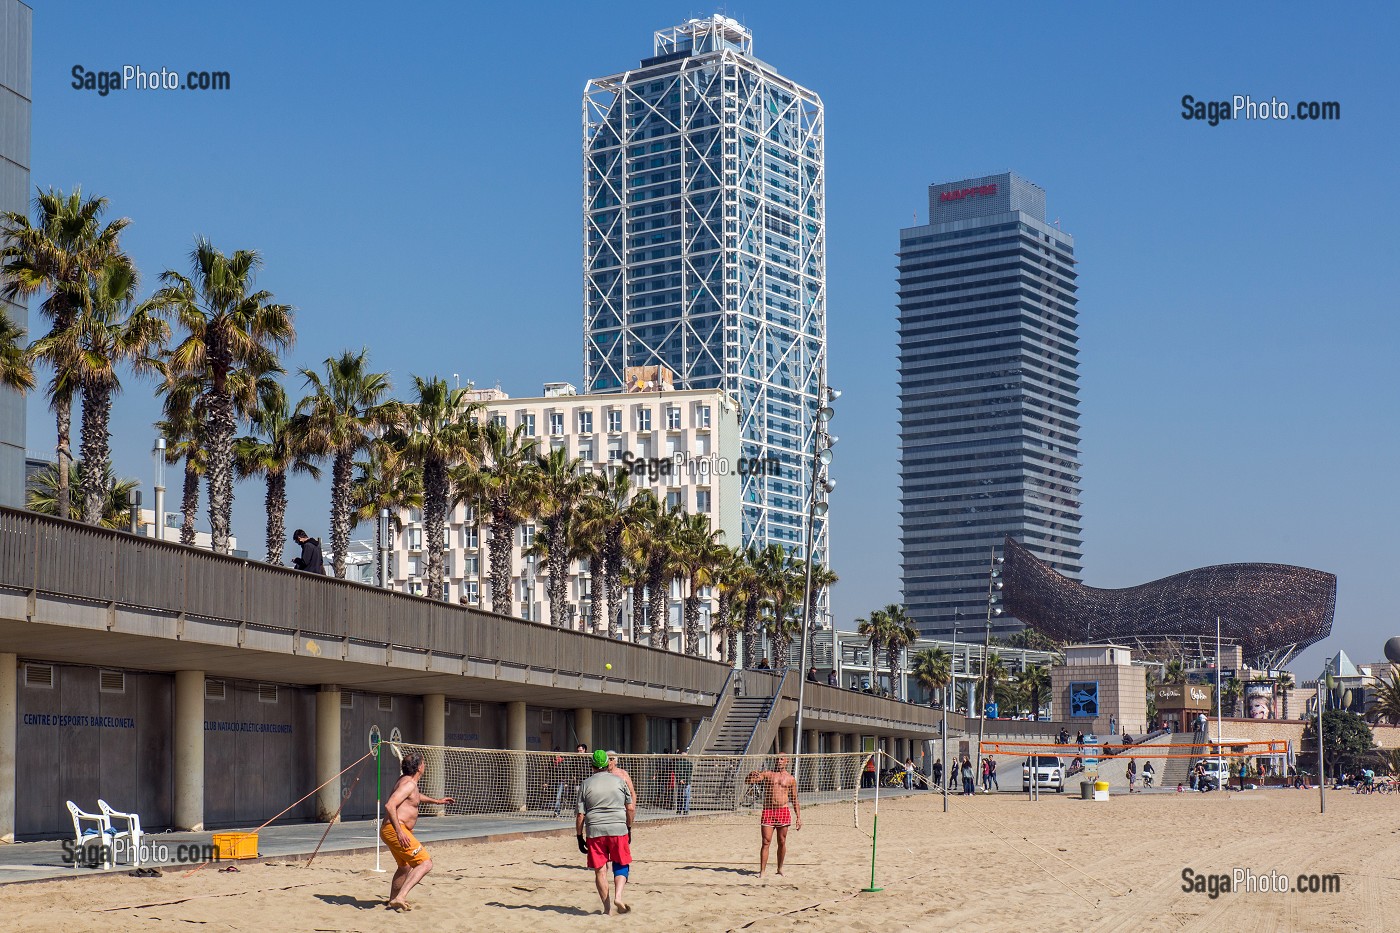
(144, 873)
(230, 868)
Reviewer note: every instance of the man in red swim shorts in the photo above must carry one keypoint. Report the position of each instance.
(781, 809)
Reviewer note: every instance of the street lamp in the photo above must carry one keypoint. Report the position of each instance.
(822, 486)
(994, 586)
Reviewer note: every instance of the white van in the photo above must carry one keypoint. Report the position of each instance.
(1049, 772)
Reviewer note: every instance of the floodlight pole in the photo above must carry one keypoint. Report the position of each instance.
(985, 691)
(824, 399)
(1321, 775)
(953, 679)
(1219, 702)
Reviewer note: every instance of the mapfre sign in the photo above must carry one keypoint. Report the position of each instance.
(964, 193)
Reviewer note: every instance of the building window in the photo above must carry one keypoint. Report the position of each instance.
(585, 422)
(498, 420)
(614, 452)
(702, 417)
(528, 422)
(556, 423)
(414, 537)
(702, 500)
(413, 566)
(470, 539)
(415, 516)
(585, 453)
(471, 566)
(673, 418)
(643, 419)
(614, 421)
(673, 499)
(527, 536)
(471, 591)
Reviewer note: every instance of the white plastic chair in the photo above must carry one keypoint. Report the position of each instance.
(132, 832)
(101, 835)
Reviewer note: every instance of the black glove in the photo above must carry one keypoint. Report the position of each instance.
(582, 845)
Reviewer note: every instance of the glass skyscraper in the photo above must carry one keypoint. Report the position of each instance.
(989, 396)
(15, 46)
(705, 249)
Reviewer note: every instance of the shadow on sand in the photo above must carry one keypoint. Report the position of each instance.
(348, 900)
(549, 908)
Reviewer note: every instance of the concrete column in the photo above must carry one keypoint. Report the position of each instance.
(9, 713)
(685, 733)
(785, 740)
(435, 734)
(515, 740)
(328, 763)
(189, 750)
(640, 742)
(583, 726)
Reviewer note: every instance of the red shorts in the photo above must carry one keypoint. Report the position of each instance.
(605, 849)
(777, 816)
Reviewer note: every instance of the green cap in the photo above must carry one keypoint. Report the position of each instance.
(600, 759)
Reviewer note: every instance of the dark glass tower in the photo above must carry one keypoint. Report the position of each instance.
(989, 396)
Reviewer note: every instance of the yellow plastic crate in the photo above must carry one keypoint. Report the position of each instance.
(236, 845)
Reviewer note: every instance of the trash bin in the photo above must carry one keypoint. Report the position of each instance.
(1086, 790)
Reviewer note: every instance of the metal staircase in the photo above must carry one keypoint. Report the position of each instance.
(1178, 770)
(716, 783)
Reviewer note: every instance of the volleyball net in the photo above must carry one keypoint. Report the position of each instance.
(544, 786)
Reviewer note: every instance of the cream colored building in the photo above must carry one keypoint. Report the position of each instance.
(682, 445)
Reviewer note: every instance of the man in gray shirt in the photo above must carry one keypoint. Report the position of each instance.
(605, 813)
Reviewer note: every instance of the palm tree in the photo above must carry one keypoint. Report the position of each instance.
(876, 628)
(1384, 703)
(507, 486)
(900, 635)
(601, 518)
(106, 333)
(60, 254)
(228, 326)
(15, 371)
(699, 556)
(760, 584)
(183, 430)
(42, 495)
(785, 623)
(1231, 694)
(1175, 672)
(994, 676)
(933, 670)
(725, 624)
(1285, 684)
(384, 482)
(822, 578)
(436, 431)
(342, 413)
(561, 496)
(277, 447)
(661, 570)
(1035, 681)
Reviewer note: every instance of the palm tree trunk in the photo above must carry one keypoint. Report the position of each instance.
(720, 623)
(63, 420)
(276, 502)
(597, 584)
(612, 578)
(502, 528)
(638, 610)
(692, 622)
(751, 631)
(558, 564)
(892, 662)
(341, 466)
(219, 469)
(434, 510)
(189, 503)
(97, 413)
(658, 606)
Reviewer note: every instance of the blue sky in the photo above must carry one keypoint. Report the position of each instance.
(411, 175)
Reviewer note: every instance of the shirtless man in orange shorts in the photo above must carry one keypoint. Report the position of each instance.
(400, 816)
(780, 805)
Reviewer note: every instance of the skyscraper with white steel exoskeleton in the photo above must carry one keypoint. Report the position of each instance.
(705, 248)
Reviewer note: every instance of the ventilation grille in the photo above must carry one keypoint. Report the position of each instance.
(38, 675)
(386, 704)
(215, 690)
(474, 710)
(546, 716)
(111, 682)
(267, 693)
(347, 700)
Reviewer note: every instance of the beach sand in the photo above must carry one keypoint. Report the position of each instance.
(991, 863)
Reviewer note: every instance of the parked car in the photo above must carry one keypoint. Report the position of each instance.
(1217, 772)
(1049, 772)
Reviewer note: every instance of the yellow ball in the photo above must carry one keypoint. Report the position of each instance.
(607, 667)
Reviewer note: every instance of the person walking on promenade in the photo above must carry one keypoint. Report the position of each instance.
(310, 560)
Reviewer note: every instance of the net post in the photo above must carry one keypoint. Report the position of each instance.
(374, 747)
